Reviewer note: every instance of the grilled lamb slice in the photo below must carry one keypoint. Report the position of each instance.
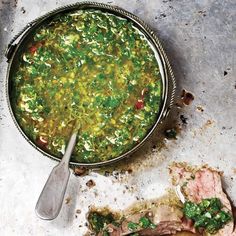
(166, 213)
(163, 228)
(135, 219)
(201, 183)
(188, 225)
(168, 220)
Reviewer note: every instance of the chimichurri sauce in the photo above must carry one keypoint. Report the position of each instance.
(94, 69)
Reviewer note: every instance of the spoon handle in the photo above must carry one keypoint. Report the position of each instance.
(51, 198)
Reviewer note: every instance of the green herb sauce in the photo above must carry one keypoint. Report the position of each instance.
(208, 214)
(94, 69)
(144, 223)
(100, 220)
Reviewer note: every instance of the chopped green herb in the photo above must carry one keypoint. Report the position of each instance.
(152, 226)
(132, 226)
(208, 214)
(98, 221)
(93, 68)
(144, 222)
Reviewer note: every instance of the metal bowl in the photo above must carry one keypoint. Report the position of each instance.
(168, 81)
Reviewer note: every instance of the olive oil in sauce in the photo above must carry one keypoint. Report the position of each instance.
(90, 67)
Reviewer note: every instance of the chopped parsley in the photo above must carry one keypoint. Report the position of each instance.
(207, 214)
(144, 223)
(132, 226)
(98, 221)
(93, 68)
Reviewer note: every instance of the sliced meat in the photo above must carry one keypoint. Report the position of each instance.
(198, 184)
(188, 225)
(184, 233)
(206, 184)
(180, 172)
(168, 220)
(165, 213)
(135, 219)
(163, 228)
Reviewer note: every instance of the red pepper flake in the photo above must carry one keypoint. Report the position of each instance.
(139, 104)
(41, 142)
(33, 49)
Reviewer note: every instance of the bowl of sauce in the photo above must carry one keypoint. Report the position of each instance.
(94, 65)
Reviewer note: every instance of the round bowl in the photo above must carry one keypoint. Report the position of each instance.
(167, 77)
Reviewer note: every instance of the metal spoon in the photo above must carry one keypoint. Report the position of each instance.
(51, 198)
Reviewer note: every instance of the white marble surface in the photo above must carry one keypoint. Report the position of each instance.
(199, 37)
